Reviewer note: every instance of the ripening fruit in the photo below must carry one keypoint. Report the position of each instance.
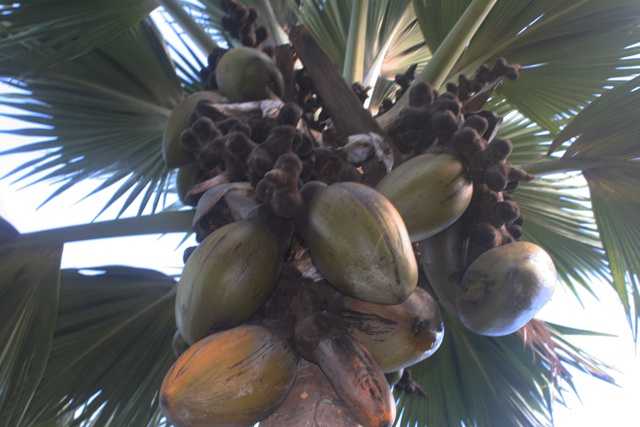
(431, 191)
(248, 74)
(505, 287)
(234, 378)
(398, 335)
(360, 245)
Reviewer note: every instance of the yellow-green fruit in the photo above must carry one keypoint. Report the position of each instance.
(248, 74)
(505, 287)
(174, 156)
(398, 335)
(431, 191)
(227, 279)
(234, 378)
(360, 245)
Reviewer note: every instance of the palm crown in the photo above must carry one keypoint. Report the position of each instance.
(98, 80)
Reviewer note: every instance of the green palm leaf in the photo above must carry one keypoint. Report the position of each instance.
(494, 381)
(392, 42)
(29, 280)
(556, 43)
(603, 143)
(113, 124)
(111, 349)
(59, 30)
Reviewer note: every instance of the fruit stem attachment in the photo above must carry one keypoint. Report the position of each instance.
(445, 57)
(346, 110)
(195, 31)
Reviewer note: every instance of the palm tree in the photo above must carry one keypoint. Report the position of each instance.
(96, 81)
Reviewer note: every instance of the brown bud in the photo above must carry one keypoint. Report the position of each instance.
(479, 123)
(498, 150)
(496, 177)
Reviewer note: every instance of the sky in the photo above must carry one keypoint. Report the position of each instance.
(599, 403)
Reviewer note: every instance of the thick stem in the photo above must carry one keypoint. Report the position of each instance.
(445, 57)
(165, 222)
(353, 70)
(343, 105)
(195, 31)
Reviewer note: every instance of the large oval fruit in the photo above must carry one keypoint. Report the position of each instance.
(398, 335)
(505, 287)
(227, 279)
(174, 156)
(248, 74)
(360, 245)
(431, 191)
(234, 378)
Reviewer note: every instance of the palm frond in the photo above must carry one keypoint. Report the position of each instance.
(557, 53)
(406, 47)
(555, 42)
(29, 281)
(60, 30)
(393, 41)
(606, 130)
(187, 61)
(494, 381)
(113, 124)
(401, 46)
(436, 19)
(616, 204)
(111, 349)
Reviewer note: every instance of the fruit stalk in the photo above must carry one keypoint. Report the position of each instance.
(349, 367)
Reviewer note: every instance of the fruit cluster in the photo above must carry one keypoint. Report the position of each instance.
(304, 272)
